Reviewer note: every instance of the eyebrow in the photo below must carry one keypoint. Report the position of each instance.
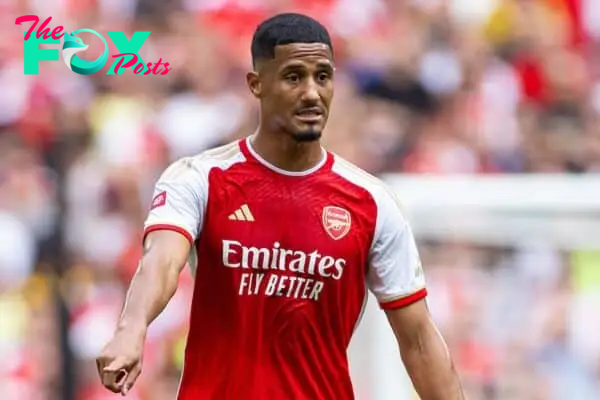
(293, 65)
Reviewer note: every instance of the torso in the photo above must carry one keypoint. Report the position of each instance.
(280, 282)
(282, 265)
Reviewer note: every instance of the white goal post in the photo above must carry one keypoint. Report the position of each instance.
(561, 211)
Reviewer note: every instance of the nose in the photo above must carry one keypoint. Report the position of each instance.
(311, 92)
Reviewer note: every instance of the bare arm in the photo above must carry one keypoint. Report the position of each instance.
(155, 281)
(397, 279)
(424, 353)
(153, 285)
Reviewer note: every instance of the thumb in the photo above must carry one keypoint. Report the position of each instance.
(116, 365)
(113, 375)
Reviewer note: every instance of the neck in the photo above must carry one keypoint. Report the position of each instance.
(284, 152)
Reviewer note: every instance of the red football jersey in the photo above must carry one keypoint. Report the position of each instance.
(282, 263)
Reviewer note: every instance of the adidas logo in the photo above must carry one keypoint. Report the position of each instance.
(242, 214)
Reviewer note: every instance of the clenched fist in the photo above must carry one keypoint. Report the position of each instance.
(120, 363)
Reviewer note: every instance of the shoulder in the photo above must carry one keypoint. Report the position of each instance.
(377, 190)
(222, 156)
(198, 166)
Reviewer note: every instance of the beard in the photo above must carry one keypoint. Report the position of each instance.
(310, 135)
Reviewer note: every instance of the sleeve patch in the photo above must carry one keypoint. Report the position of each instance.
(159, 200)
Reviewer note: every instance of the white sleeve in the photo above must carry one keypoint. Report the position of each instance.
(395, 273)
(179, 200)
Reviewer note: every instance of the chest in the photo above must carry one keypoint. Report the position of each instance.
(303, 215)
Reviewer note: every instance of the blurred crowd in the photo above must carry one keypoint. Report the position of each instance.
(422, 86)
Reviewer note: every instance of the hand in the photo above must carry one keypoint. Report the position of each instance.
(120, 363)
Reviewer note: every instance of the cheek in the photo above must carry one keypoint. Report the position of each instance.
(284, 102)
(326, 92)
(327, 98)
(278, 107)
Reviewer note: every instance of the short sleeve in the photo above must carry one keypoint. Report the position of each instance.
(179, 200)
(395, 274)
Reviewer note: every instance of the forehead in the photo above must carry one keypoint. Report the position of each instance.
(302, 52)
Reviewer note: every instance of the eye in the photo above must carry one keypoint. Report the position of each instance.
(293, 77)
(323, 76)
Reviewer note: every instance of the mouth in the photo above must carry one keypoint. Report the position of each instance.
(310, 115)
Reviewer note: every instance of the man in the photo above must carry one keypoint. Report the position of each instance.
(287, 237)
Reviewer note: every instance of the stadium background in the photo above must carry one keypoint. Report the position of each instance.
(481, 91)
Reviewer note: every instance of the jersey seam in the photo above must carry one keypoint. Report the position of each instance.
(371, 179)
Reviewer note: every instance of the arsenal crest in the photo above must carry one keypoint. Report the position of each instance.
(336, 222)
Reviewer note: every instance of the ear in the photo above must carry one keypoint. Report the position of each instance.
(254, 84)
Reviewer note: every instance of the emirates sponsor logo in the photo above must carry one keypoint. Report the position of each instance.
(293, 273)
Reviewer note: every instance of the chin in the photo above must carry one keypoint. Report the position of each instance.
(307, 136)
(307, 133)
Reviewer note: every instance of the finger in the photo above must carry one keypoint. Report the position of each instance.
(114, 374)
(109, 383)
(99, 367)
(120, 377)
(103, 360)
(131, 378)
(113, 380)
(117, 364)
